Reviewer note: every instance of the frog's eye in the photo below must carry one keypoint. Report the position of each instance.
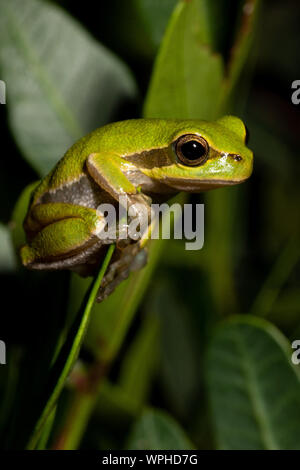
(191, 150)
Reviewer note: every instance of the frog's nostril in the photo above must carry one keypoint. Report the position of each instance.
(237, 158)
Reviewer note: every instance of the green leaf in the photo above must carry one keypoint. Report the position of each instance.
(61, 83)
(187, 76)
(46, 432)
(156, 430)
(253, 386)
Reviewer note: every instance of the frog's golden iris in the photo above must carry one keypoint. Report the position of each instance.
(192, 149)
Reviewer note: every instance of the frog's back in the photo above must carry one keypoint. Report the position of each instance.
(122, 138)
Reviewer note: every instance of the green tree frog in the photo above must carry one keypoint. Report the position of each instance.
(143, 159)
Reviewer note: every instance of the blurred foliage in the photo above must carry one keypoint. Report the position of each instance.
(165, 362)
(156, 431)
(249, 366)
(42, 93)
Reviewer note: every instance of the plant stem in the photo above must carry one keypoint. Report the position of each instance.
(72, 353)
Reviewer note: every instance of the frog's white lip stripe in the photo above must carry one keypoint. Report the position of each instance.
(199, 185)
(207, 182)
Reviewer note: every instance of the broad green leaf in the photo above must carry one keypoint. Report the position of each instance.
(61, 83)
(187, 76)
(253, 387)
(156, 430)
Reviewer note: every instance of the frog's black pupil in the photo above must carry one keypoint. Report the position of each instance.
(193, 150)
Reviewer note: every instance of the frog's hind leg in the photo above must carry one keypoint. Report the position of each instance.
(60, 245)
(67, 236)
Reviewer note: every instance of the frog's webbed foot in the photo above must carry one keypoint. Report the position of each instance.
(131, 258)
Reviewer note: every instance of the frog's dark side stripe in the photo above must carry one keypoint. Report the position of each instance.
(159, 157)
